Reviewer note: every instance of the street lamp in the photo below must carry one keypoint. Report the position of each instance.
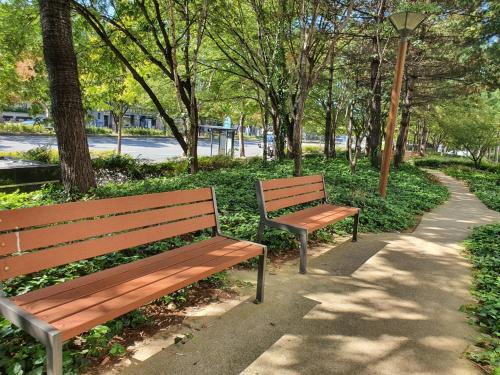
(404, 23)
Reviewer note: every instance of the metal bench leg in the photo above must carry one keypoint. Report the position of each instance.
(355, 228)
(54, 355)
(260, 231)
(303, 252)
(261, 278)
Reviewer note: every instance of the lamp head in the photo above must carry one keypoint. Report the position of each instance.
(406, 22)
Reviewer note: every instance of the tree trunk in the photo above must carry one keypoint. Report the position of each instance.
(241, 126)
(333, 145)
(357, 153)
(67, 108)
(279, 144)
(329, 109)
(405, 123)
(374, 137)
(423, 139)
(298, 114)
(265, 117)
(119, 138)
(350, 155)
(193, 134)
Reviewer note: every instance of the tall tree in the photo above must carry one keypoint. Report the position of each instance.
(67, 108)
(166, 36)
(405, 121)
(374, 138)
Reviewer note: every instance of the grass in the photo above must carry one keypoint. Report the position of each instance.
(483, 249)
(410, 193)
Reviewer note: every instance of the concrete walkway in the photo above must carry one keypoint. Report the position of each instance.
(387, 304)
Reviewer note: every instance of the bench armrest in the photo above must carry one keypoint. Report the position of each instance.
(40, 330)
(275, 224)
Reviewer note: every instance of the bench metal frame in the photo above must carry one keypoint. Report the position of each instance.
(51, 337)
(300, 233)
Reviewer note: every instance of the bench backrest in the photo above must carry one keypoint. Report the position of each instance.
(285, 192)
(36, 238)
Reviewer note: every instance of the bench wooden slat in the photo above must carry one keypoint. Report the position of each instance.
(35, 216)
(280, 183)
(291, 191)
(120, 275)
(141, 280)
(96, 277)
(317, 217)
(98, 314)
(53, 235)
(292, 201)
(53, 257)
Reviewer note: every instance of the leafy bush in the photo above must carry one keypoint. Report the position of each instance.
(410, 193)
(13, 128)
(483, 247)
(96, 130)
(312, 150)
(43, 154)
(143, 131)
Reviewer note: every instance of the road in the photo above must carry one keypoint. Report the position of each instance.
(152, 148)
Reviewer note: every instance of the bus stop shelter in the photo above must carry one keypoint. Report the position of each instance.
(221, 139)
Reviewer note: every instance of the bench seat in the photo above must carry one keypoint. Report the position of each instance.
(35, 239)
(280, 193)
(76, 306)
(317, 217)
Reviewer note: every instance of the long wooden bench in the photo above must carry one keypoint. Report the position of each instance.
(281, 193)
(38, 238)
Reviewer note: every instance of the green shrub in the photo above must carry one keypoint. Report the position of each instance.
(483, 248)
(96, 130)
(13, 128)
(143, 131)
(43, 154)
(310, 149)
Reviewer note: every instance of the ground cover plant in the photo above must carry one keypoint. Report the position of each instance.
(483, 250)
(411, 192)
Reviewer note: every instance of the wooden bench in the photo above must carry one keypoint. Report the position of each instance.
(38, 238)
(280, 193)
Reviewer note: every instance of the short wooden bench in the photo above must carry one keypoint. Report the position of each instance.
(38, 238)
(280, 193)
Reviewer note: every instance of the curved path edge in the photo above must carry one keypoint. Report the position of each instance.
(388, 304)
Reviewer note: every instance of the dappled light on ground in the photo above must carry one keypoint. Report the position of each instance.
(388, 304)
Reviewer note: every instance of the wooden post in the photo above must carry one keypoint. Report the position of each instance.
(393, 111)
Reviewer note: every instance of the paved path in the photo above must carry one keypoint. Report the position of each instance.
(387, 304)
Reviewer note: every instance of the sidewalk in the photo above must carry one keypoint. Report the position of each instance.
(387, 304)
